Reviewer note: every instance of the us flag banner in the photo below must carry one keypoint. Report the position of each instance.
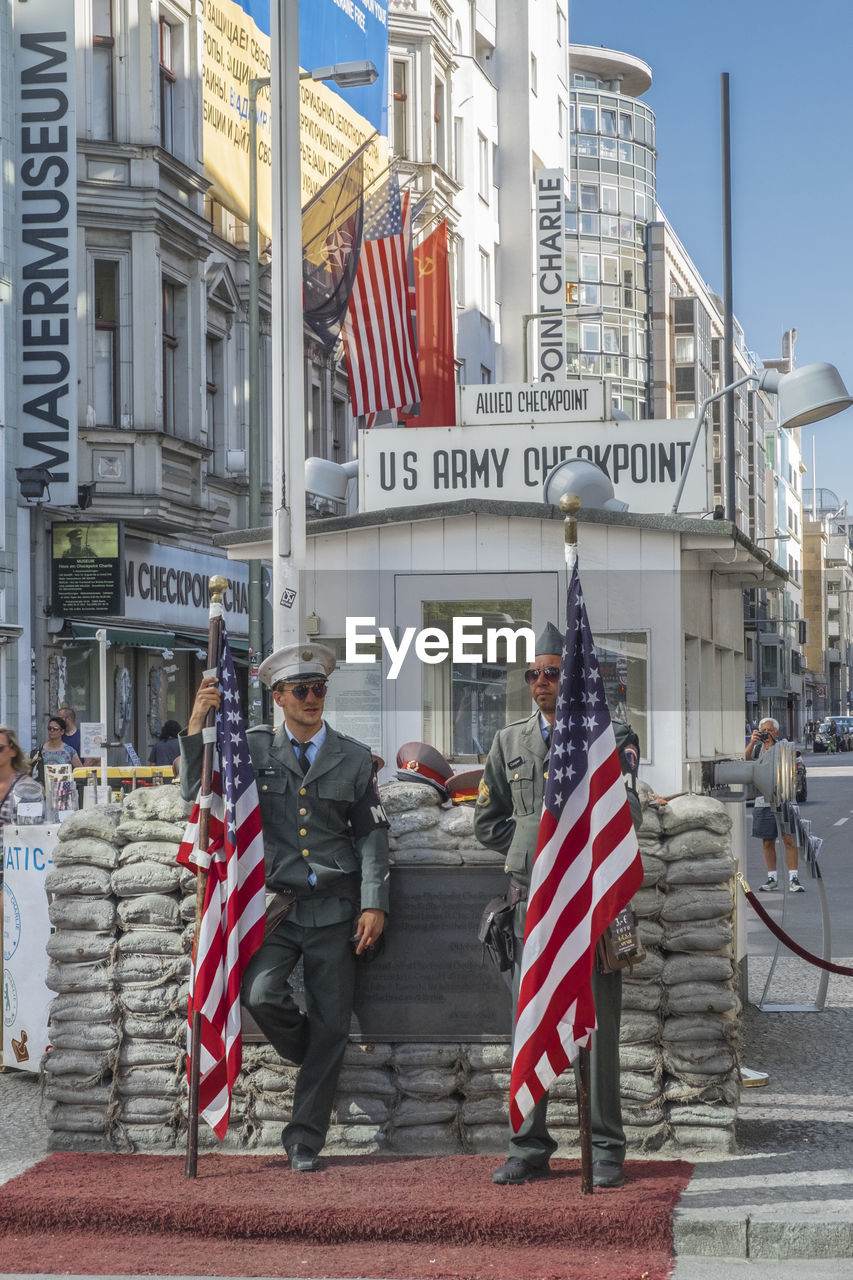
(379, 340)
(232, 925)
(587, 868)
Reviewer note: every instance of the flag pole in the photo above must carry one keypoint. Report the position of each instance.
(570, 505)
(217, 587)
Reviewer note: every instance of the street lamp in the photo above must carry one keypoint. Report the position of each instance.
(805, 395)
(288, 412)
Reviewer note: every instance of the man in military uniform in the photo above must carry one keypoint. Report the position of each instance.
(506, 818)
(326, 848)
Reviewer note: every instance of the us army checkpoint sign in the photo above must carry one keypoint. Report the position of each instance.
(644, 460)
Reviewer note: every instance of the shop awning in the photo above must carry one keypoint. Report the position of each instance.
(239, 644)
(124, 636)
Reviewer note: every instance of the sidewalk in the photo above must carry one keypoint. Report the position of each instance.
(786, 1195)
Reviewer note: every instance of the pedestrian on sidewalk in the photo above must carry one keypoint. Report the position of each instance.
(764, 825)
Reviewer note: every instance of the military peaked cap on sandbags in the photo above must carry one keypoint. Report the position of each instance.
(419, 762)
(463, 787)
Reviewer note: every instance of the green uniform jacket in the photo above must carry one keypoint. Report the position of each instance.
(329, 821)
(509, 804)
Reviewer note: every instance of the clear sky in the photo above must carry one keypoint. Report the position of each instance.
(791, 90)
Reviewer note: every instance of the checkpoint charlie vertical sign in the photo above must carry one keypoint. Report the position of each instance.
(45, 232)
(550, 338)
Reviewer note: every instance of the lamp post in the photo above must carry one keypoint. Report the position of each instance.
(806, 395)
(256, 635)
(288, 375)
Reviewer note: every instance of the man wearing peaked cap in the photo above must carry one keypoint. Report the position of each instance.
(419, 762)
(506, 818)
(326, 860)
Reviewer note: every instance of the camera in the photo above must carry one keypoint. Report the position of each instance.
(764, 735)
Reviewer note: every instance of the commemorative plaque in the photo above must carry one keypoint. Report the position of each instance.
(432, 981)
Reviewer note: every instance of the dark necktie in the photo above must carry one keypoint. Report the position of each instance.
(546, 737)
(301, 749)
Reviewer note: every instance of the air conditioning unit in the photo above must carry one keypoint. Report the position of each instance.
(803, 631)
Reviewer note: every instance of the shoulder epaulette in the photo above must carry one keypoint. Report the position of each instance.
(262, 728)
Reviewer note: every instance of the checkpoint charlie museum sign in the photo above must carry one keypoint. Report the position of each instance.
(512, 435)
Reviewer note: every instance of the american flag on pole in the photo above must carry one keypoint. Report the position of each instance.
(587, 869)
(232, 925)
(381, 351)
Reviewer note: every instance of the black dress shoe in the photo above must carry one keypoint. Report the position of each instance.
(302, 1159)
(607, 1174)
(516, 1171)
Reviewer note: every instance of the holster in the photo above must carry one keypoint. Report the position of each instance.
(496, 930)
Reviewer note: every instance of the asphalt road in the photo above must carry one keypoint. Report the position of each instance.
(830, 810)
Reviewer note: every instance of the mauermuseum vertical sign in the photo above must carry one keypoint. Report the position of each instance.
(550, 338)
(45, 232)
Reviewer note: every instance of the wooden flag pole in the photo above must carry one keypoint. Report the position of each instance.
(217, 586)
(570, 505)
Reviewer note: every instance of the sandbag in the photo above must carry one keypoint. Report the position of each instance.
(701, 998)
(639, 1028)
(149, 851)
(409, 1112)
(72, 977)
(82, 913)
(368, 1109)
(647, 904)
(149, 909)
(94, 1006)
(90, 851)
(167, 998)
(690, 1028)
(97, 823)
(145, 877)
(718, 871)
(406, 1056)
(83, 879)
(491, 1110)
(653, 869)
(89, 1036)
(148, 940)
(154, 1082)
(489, 1057)
(355, 1081)
(150, 969)
(164, 803)
(683, 813)
(712, 935)
(414, 820)
(696, 904)
(149, 1053)
(696, 967)
(695, 844)
(150, 829)
(367, 1054)
(73, 946)
(428, 1083)
(401, 797)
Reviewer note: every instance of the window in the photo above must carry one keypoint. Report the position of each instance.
(485, 283)
(458, 156)
(608, 122)
(589, 120)
(590, 337)
(485, 375)
(400, 112)
(102, 70)
(685, 349)
(562, 28)
(589, 195)
(483, 167)
(171, 348)
(439, 125)
(106, 398)
(167, 89)
(561, 118)
(459, 253)
(623, 662)
(215, 399)
(534, 74)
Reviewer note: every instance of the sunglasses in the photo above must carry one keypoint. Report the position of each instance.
(300, 691)
(533, 673)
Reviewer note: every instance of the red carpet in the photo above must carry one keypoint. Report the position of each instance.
(380, 1217)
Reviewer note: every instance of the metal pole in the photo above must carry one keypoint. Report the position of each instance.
(101, 637)
(288, 402)
(728, 306)
(256, 635)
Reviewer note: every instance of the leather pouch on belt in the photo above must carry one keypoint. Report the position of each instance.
(277, 908)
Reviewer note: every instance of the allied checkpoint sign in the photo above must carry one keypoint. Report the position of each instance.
(513, 435)
(27, 858)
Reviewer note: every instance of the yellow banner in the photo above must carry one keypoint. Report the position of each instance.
(235, 51)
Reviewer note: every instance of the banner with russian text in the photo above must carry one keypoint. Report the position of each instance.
(237, 49)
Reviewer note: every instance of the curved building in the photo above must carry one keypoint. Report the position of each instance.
(611, 200)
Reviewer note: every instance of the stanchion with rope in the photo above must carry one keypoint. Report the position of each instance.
(819, 962)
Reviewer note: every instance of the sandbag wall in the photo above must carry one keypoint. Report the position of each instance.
(123, 913)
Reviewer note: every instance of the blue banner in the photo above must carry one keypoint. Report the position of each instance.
(333, 31)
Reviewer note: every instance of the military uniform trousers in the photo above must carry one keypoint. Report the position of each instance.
(533, 1142)
(317, 1039)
